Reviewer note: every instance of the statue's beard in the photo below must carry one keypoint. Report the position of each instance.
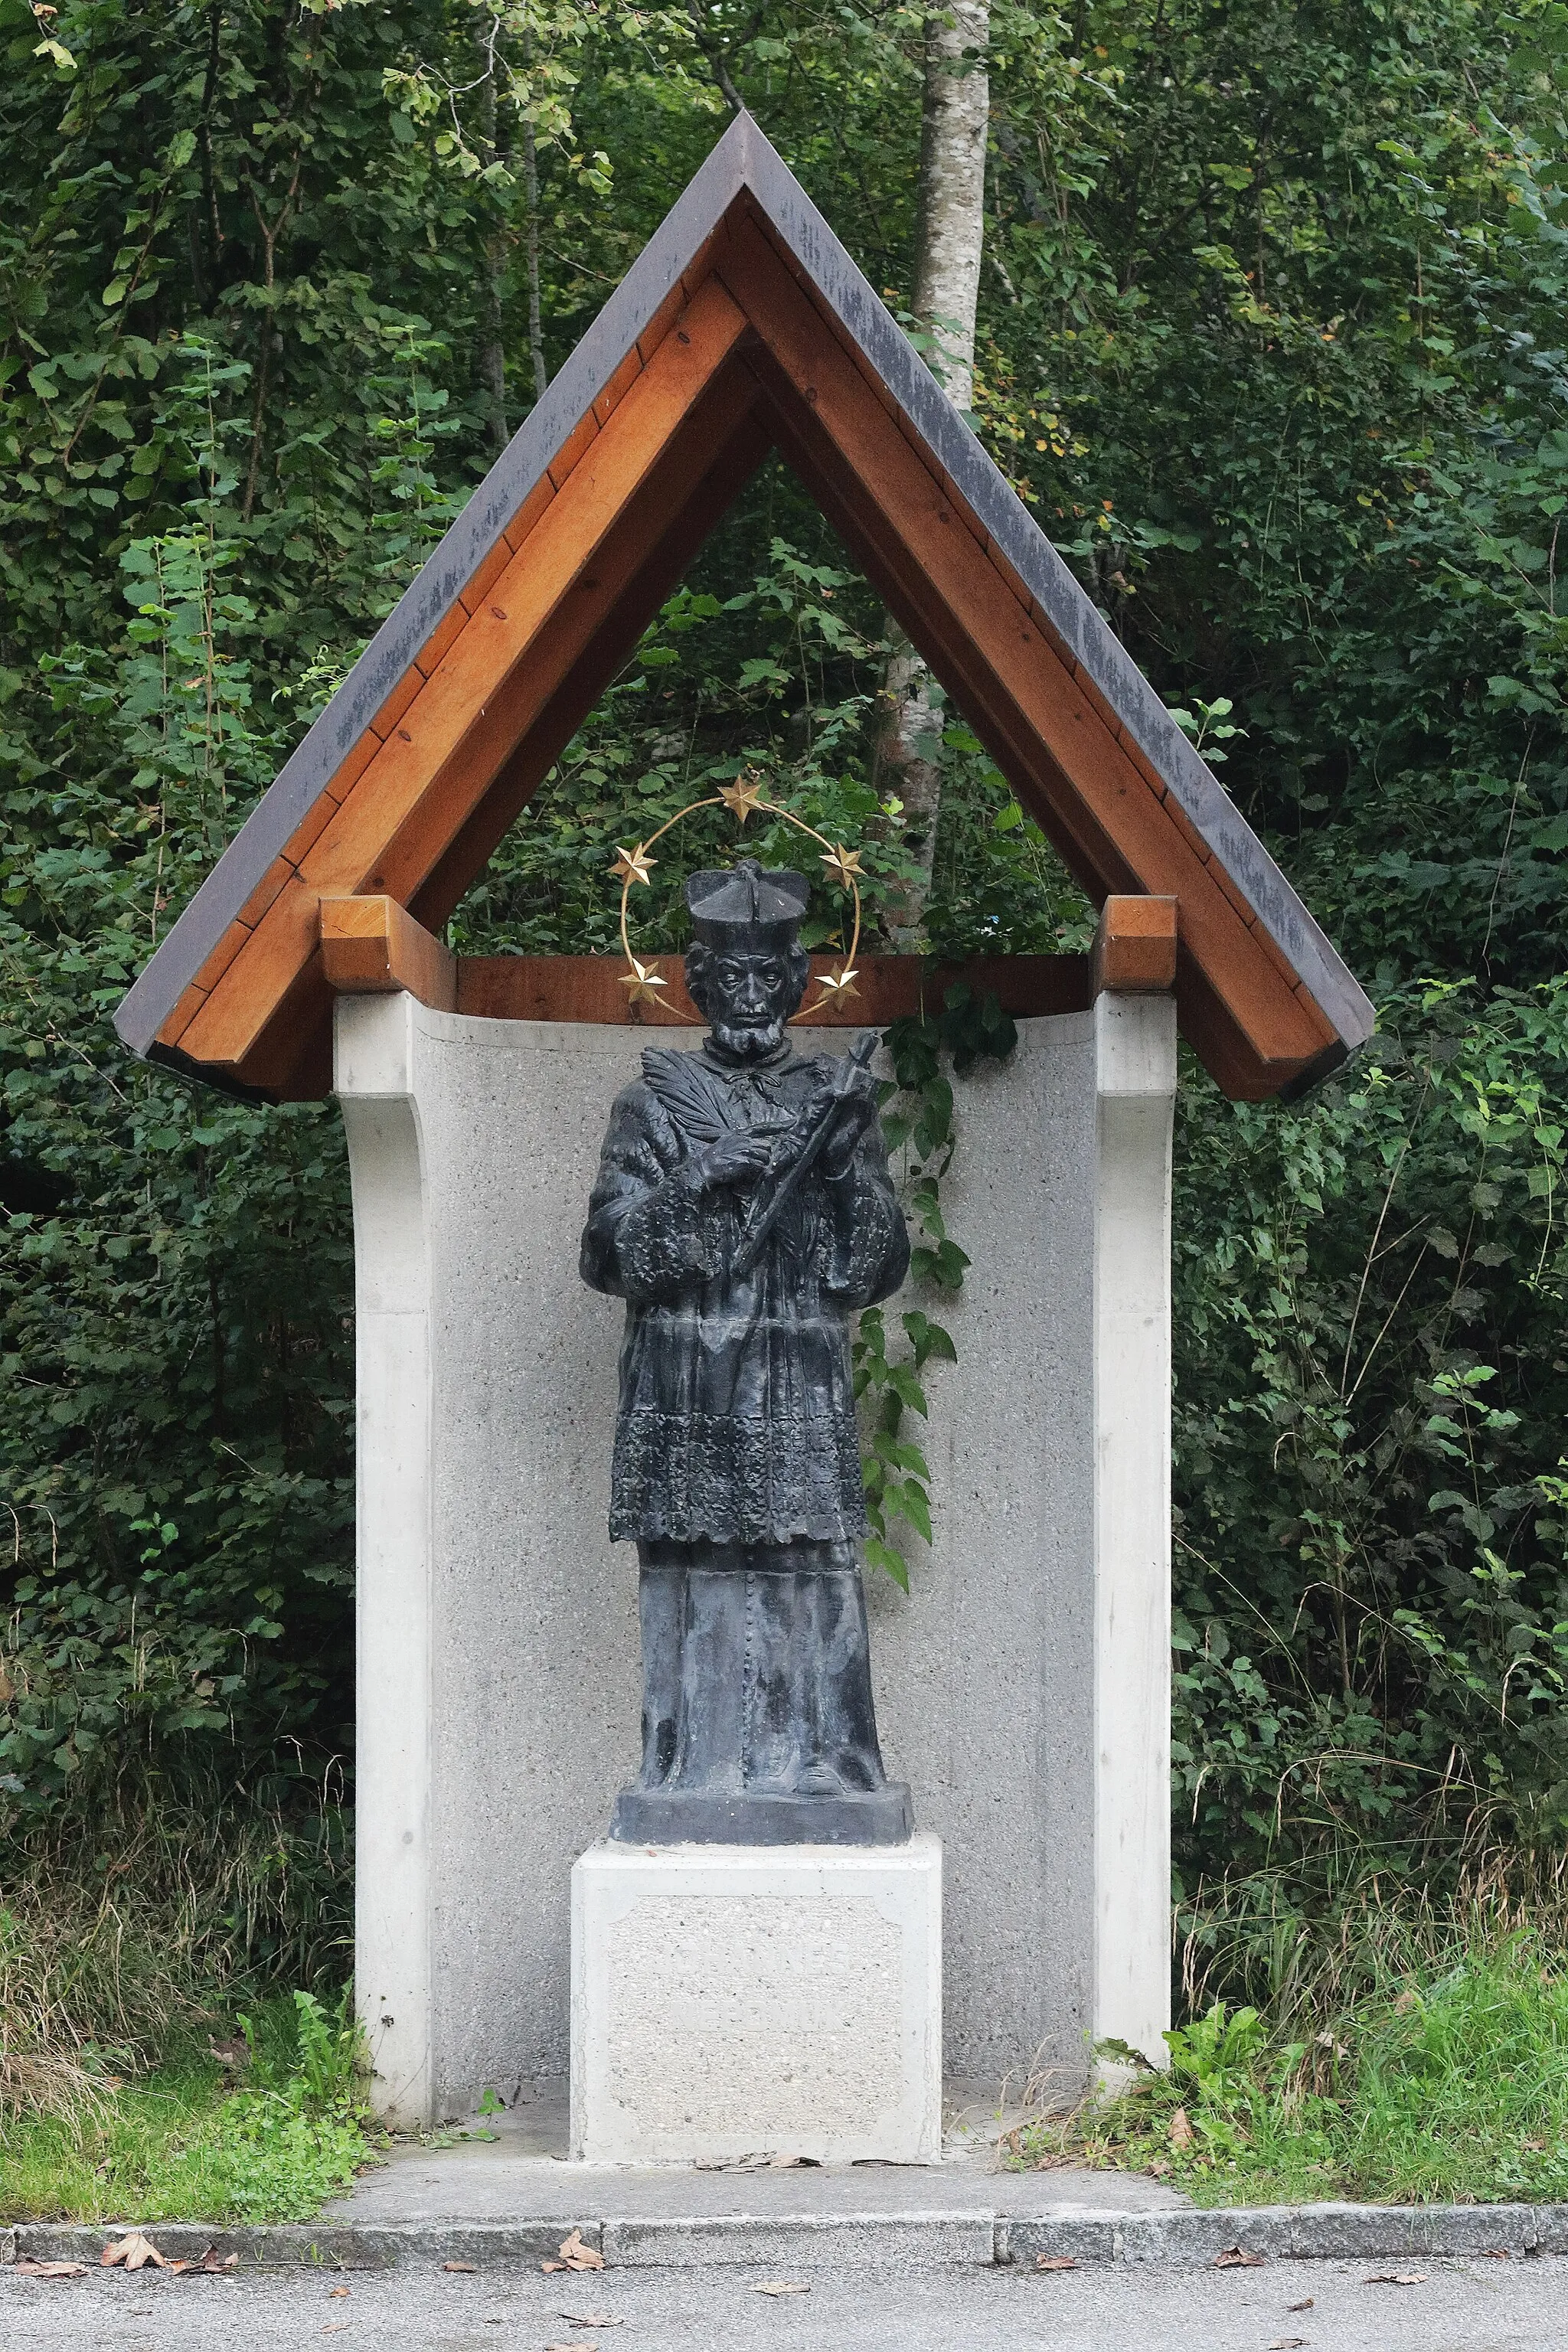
(750, 1041)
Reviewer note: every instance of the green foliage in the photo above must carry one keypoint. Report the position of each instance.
(1451, 2085)
(179, 2146)
(1370, 1648)
(920, 1128)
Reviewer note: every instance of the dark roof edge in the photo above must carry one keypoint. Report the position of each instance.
(434, 589)
(1082, 629)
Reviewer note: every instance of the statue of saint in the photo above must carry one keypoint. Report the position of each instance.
(743, 1208)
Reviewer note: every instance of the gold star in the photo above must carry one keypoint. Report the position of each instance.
(643, 981)
(843, 865)
(741, 797)
(837, 985)
(632, 865)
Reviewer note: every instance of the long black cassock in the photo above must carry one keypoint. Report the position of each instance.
(737, 1463)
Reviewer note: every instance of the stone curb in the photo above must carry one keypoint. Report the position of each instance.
(853, 2240)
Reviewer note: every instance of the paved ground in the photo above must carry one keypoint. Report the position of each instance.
(519, 2167)
(1460, 2306)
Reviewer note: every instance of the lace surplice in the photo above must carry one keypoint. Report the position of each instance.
(737, 1411)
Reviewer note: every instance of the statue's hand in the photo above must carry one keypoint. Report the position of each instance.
(733, 1159)
(854, 1089)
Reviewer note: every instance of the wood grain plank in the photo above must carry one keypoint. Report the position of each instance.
(475, 592)
(891, 988)
(440, 641)
(621, 378)
(578, 442)
(397, 702)
(527, 514)
(374, 947)
(1135, 947)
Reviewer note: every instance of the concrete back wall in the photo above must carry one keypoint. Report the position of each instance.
(984, 1674)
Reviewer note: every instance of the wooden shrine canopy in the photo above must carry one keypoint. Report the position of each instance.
(743, 326)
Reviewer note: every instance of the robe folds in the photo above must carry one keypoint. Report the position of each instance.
(736, 1421)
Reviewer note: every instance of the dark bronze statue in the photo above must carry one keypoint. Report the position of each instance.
(742, 1209)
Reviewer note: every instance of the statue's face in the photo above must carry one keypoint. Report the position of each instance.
(747, 994)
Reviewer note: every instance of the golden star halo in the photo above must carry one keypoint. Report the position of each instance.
(632, 865)
(741, 797)
(837, 985)
(643, 981)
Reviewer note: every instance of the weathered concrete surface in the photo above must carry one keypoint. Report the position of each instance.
(508, 1700)
(1460, 2306)
(728, 2000)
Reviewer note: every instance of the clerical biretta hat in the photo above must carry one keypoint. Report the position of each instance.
(746, 905)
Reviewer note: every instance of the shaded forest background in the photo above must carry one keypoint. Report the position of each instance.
(1271, 339)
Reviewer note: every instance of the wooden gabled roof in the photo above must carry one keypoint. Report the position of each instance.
(744, 326)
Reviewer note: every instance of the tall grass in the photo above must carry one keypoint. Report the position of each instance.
(130, 1926)
(1303, 1945)
(1409, 2046)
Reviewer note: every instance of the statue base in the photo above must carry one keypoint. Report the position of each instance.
(695, 1817)
(781, 2000)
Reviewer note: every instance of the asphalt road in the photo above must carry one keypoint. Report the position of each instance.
(1458, 2306)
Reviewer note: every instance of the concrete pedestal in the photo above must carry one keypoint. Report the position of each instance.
(737, 2000)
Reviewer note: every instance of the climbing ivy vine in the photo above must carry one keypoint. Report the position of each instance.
(919, 1123)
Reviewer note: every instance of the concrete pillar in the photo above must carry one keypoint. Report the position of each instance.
(1136, 1082)
(394, 1492)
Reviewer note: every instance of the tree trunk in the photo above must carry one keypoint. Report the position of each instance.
(954, 113)
(492, 335)
(530, 197)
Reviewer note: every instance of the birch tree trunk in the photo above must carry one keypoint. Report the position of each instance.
(492, 341)
(956, 110)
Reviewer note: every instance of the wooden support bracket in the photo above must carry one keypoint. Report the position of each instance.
(1135, 947)
(373, 946)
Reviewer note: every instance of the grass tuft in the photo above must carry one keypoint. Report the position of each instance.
(136, 1935)
(183, 2144)
(1447, 2084)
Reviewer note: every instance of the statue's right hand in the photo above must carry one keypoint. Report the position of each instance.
(734, 1157)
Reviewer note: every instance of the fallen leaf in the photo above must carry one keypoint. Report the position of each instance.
(779, 2286)
(1056, 2261)
(1237, 2258)
(573, 2255)
(445, 2267)
(1287, 2344)
(1305, 2303)
(1395, 2278)
(232, 2057)
(1181, 2134)
(335, 2328)
(1495, 2254)
(210, 2264)
(335, 2294)
(49, 2270)
(134, 2250)
(592, 2319)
